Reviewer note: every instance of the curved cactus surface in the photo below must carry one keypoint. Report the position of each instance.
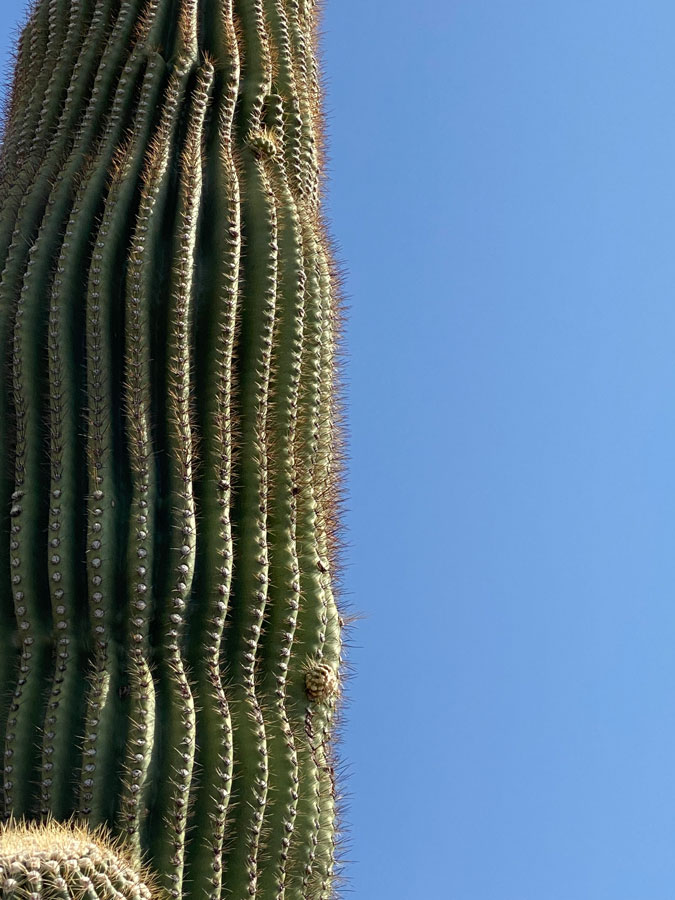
(170, 643)
(55, 861)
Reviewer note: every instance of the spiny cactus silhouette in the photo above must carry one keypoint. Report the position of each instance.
(170, 450)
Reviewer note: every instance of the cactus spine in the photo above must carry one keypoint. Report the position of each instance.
(170, 644)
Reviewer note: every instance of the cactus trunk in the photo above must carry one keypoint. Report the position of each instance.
(170, 643)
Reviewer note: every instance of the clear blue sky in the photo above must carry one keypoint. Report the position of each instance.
(503, 193)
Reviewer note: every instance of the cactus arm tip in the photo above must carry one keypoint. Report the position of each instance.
(53, 860)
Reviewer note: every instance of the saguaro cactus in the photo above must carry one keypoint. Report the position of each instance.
(170, 644)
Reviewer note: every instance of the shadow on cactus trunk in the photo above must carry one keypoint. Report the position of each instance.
(170, 643)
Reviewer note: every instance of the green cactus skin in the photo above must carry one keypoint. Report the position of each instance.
(170, 450)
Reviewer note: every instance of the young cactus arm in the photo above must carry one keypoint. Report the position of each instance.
(55, 861)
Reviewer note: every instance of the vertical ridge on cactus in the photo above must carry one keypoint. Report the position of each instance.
(170, 446)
